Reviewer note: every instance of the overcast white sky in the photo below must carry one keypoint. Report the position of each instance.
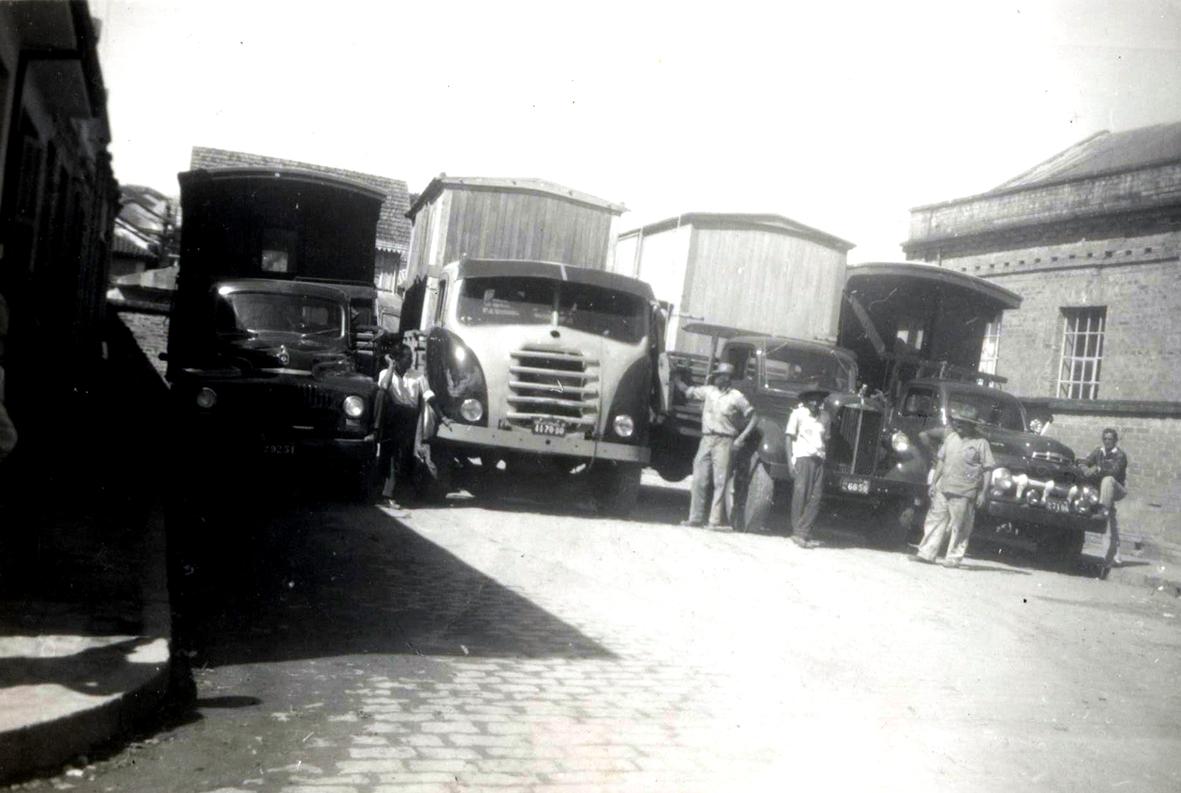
(839, 115)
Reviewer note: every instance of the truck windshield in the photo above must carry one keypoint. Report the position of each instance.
(789, 368)
(268, 313)
(999, 410)
(538, 301)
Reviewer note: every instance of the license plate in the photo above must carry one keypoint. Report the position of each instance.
(278, 449)
(549, 427)
(860, 486)
(1054, 505)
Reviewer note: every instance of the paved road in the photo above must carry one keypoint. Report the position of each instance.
(506, 645)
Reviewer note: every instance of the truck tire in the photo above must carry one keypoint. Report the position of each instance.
(750, 513)
(366, 483)
(616, 488)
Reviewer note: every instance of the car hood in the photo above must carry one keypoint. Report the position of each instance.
(287, 351)
(1009, 446)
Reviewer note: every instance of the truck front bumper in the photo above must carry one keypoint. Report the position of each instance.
(485, 437)
(859, 487)
(1035, 516)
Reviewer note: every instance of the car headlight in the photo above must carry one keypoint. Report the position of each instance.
(206, 398)
(1002, 479)
(900, 442)
(354, 406)
(471, 410)
(624, 425)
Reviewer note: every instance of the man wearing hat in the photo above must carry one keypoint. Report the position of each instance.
(727, 420)
(957, 485)
(807, 432)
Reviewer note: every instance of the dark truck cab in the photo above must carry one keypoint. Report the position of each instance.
(270, 348)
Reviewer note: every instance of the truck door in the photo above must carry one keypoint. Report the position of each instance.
(746, 367)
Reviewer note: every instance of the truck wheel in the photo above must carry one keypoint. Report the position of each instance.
(751, 514)
(671, 472)
(616, 488)
(366, 484)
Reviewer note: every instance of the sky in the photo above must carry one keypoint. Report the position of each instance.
(839, 115)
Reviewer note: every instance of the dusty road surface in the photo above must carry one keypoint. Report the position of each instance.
(514, 645)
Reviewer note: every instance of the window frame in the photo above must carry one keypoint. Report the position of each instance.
(1081, 324)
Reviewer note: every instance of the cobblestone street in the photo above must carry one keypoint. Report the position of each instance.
(478, 646)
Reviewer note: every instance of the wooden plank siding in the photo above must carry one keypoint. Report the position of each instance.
(497, 224)
(766, 281)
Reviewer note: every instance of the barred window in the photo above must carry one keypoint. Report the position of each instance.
(990, 350)
(1082, 352)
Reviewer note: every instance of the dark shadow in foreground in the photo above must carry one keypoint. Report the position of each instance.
(296, 580)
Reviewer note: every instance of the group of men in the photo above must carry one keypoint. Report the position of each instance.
(727, 423)
(958, 478)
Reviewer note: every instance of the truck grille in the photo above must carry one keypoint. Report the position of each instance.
(853, 441)
(554, 383)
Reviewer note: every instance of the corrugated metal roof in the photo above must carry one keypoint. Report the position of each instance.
(1105, 152)
(393, 229)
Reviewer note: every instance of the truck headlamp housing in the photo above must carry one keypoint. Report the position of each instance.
(1002, 480)
(206, 398)
(354, 406)
(899, 442)
(624, 425)
(471, 410)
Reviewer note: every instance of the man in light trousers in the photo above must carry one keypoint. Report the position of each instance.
(727, 419)
(957, 487)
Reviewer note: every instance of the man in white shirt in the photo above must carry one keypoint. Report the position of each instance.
(409, 392)
(727, 420)
(807, 432)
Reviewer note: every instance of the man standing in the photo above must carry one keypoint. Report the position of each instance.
(727, 420)
(957, 487)
(807, 432)
(1108, 465)
(408, 394)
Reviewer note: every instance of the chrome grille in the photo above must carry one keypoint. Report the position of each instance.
(552, 382)
(853, 441)
(1053, 457)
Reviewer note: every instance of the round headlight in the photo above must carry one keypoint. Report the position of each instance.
(899, 441)
(624, 426)
(206, 398)
(471, 410)
(354, 406)
(1002, 479)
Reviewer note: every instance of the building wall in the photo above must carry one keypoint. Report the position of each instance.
(1138, 279)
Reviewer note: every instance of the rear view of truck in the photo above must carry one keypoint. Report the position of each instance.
(267, 338)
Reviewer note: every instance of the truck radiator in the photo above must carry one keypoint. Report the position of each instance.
(853, 441)
(552, 383)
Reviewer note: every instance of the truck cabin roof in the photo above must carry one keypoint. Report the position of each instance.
(281, 287)
(771, 343)
(553, 271)
(882, 279)
(961, 386)
(205, 177)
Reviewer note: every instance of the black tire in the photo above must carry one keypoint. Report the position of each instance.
(366, 484)
(616, 488)
(751, 512)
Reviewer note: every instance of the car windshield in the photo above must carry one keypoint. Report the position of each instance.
(255, 313)
(790, 368)
(534, 301)
(998, 410)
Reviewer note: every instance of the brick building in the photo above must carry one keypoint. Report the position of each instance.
(393, 228)
(1091, 240)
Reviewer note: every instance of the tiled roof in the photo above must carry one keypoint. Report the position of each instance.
(393, 228)
(1105, 152)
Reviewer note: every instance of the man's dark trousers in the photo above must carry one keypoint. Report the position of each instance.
(805, 495)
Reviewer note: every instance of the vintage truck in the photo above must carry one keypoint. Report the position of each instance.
(270, 346)
(541, 361)
(903, 326)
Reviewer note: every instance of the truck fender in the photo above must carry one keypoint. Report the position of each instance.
(772, 447)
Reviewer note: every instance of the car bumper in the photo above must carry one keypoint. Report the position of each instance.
(516, 440)
(1042, 517)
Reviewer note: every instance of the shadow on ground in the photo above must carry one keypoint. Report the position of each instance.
(319, 579)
